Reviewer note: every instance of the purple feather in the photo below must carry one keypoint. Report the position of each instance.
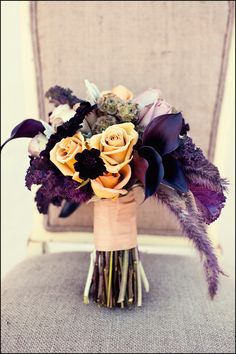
(192, 224)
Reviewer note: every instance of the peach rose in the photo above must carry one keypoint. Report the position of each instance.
(116, 145)
(121, 92)
(63, 155)
(110, 185)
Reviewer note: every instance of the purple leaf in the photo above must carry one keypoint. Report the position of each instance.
(208, 202)
(174, 175)
(204, 180)
(162, 133)
(155, 171)
(26, 129)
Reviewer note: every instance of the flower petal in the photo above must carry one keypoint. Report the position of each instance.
(26, 129)
(139, 167)
(147, 97)
(162, 133)
(104, 192)
(174, 175)
(68, 208)
(155, 171)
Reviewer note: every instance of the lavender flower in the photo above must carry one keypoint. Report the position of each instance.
(59, 95)
(55, 187)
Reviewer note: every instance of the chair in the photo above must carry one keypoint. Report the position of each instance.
(166, 32)
(139, 44)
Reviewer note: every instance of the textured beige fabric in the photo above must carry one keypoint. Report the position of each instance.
(180, 47)
(43, 311)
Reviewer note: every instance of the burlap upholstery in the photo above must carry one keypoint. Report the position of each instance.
(42, 310)
(180, 47)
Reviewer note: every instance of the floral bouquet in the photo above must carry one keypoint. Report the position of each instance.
(99, 150)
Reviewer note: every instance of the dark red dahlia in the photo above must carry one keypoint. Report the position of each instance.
(89, 164)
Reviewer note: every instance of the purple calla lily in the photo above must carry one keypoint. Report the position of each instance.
(26, 129)
(160, 139)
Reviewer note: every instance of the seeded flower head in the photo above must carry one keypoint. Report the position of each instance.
(108, 103)
(89, 164)
(127, 111)
(103, 123)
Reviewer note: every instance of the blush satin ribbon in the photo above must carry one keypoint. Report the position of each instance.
(115, 226)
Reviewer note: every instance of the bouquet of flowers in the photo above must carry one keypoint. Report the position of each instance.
(99, 150)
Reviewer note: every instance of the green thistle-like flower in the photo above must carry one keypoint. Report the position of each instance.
(102, 123)
(127, 111)
(108, 103)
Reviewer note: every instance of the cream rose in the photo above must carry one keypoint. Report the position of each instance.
(63, 112)
(111, 185)
(37, 144)
(121, 92)
(63, 155)
(116, 145)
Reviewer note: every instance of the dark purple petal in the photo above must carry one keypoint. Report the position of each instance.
(68, 208)
(162, 133)
(208, 202)
(26, 129)
(174, 175)
(139, 167)
(155, 171)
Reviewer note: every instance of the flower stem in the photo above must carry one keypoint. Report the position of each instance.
(144, 277)
(95, 277)
(124, 277)
(139, 283)
(101, 280)
(89, 279)
(109, 302)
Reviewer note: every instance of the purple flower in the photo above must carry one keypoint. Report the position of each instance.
(89, 164)
(160, 138)
(55, 187)
(26, 129)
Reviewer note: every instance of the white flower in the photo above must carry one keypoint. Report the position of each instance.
(62, 111)
(37, 144)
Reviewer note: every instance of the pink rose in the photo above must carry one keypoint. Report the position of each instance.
(151, 105)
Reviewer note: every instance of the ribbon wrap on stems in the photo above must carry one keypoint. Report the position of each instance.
(115, 226)
(116, 274)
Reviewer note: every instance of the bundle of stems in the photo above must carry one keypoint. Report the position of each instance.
(115, 279)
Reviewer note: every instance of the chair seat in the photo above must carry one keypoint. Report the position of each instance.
(43, 312)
